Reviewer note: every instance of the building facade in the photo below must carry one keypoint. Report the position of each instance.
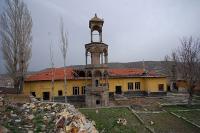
(128, 82)
(95, 83)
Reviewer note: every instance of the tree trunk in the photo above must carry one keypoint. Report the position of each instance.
(65, 83)
(190, 96)
(16, 85)
(21, 84)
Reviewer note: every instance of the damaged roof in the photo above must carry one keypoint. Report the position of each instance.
(58, 74)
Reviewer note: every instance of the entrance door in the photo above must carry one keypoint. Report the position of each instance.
(118, 90)
(45, 95)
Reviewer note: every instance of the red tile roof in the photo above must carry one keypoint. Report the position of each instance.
(59, 74)
(47, 74)
(131, 72)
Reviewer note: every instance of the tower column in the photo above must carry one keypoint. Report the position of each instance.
(96, 86)
(101, 58)
(91, 36)
(106, 58)
(100, 36)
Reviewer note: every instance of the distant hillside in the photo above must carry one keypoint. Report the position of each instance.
(157, 66)
(149, 65)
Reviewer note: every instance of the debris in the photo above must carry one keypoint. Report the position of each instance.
(97, 111)
(60, 123)
(122, 121)
(30, 117)
(151, 122)
(1, 101)
(47, 117)
(18, 120)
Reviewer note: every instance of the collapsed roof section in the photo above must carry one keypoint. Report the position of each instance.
(71, 73)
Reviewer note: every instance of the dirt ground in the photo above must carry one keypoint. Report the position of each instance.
(152, 103)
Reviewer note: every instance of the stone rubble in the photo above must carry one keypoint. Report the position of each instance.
(122, 121)
(44, 117)
(1, 101)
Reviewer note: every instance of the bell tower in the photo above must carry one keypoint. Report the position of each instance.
(96, 67)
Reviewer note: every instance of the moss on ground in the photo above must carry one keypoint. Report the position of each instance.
(106, 120)
(165, 122)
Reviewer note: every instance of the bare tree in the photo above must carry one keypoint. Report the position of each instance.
(16, 37)
(170, 69)
(52, 73)
(187, 59)
(64, 46)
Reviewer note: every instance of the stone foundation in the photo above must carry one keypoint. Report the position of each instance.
(96, 99)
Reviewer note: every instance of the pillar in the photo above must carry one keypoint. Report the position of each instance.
(106, 58)
(86, 57)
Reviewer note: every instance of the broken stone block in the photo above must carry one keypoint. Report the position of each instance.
(121, 121)
(97, 111)
(60, 123)
(30, 117)
(13, 115)
(93, 123)
(30, 131)
(68, 129)
(151, 122)
(45, 118)
(74, 130)
(54, 104)
(18, 120)
(28, 126)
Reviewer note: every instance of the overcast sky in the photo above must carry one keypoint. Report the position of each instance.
(135, 30)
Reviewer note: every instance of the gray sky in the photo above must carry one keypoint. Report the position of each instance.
(135, 30)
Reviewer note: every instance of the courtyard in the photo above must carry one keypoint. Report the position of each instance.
(168, 114)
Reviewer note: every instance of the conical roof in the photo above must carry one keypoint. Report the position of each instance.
(95, 18)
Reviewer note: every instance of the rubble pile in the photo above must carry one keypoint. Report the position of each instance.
(44, 117)
(1, 101)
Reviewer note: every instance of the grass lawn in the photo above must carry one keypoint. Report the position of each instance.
(106, 119)
(167, 123)
(193, 115)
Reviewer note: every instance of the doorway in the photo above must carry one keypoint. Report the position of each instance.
(45, 95)
(118, 90)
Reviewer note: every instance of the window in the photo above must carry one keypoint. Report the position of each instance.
(130, 86)
(97, 102)
(46, 95)
(83, 90)
(97, 83)
(33, 94)
(60, 93)
(75, 90)
(161, 87)
(137, 85)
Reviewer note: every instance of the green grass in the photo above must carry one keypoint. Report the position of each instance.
(106, 120)
(167, 123)
(193, 115)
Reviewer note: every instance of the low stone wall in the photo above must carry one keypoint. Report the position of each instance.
(77, 101)
(153, 94)
(80, 98)
(130, 94)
